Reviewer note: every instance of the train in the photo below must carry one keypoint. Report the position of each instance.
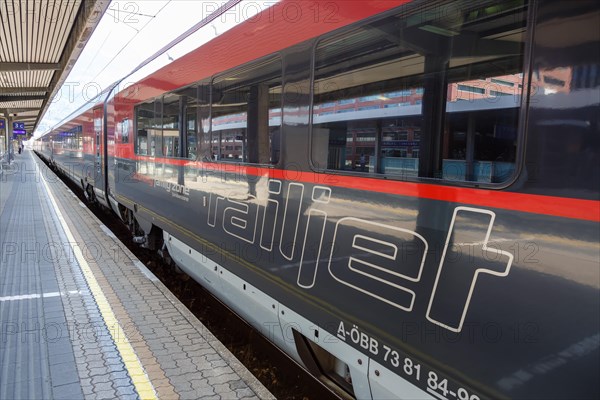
(402, 195)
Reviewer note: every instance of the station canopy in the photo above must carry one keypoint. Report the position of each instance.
(40, 40)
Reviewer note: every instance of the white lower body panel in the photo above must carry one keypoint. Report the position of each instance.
(277, 322)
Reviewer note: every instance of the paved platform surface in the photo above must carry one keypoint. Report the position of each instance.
(82, 317)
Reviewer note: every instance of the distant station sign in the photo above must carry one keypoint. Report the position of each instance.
(2, 124)
(18, 129)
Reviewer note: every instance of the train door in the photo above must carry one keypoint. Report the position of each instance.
(99, 159)
(115, 133)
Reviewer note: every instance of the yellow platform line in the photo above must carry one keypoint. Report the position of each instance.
(134, 367)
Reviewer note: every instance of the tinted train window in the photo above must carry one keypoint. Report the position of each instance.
(149, 137)
(72, 138)
(434, 93)
(170, 126)
(144, 117)
(125, 125)
(69, 139)
(197, 128)
(246, 114)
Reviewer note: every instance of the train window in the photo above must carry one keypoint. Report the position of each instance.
(125, 130)
(144, 117)
(156, 134)
(170, 125)
(434, 93)
(244, 126)
(149, 138)
(71, 139)
(197, 113)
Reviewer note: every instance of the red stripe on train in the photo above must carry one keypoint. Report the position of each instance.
(588, 210)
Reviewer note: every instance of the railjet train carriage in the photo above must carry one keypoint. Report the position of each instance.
(401, 195)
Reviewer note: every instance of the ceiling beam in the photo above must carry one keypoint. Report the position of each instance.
(30, 89)
(29, 66)
(17, 118)
(21, 98)
(18, 110)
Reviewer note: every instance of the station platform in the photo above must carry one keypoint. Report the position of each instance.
(82, 317)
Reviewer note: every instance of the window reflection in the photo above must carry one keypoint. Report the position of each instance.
(425, 95)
